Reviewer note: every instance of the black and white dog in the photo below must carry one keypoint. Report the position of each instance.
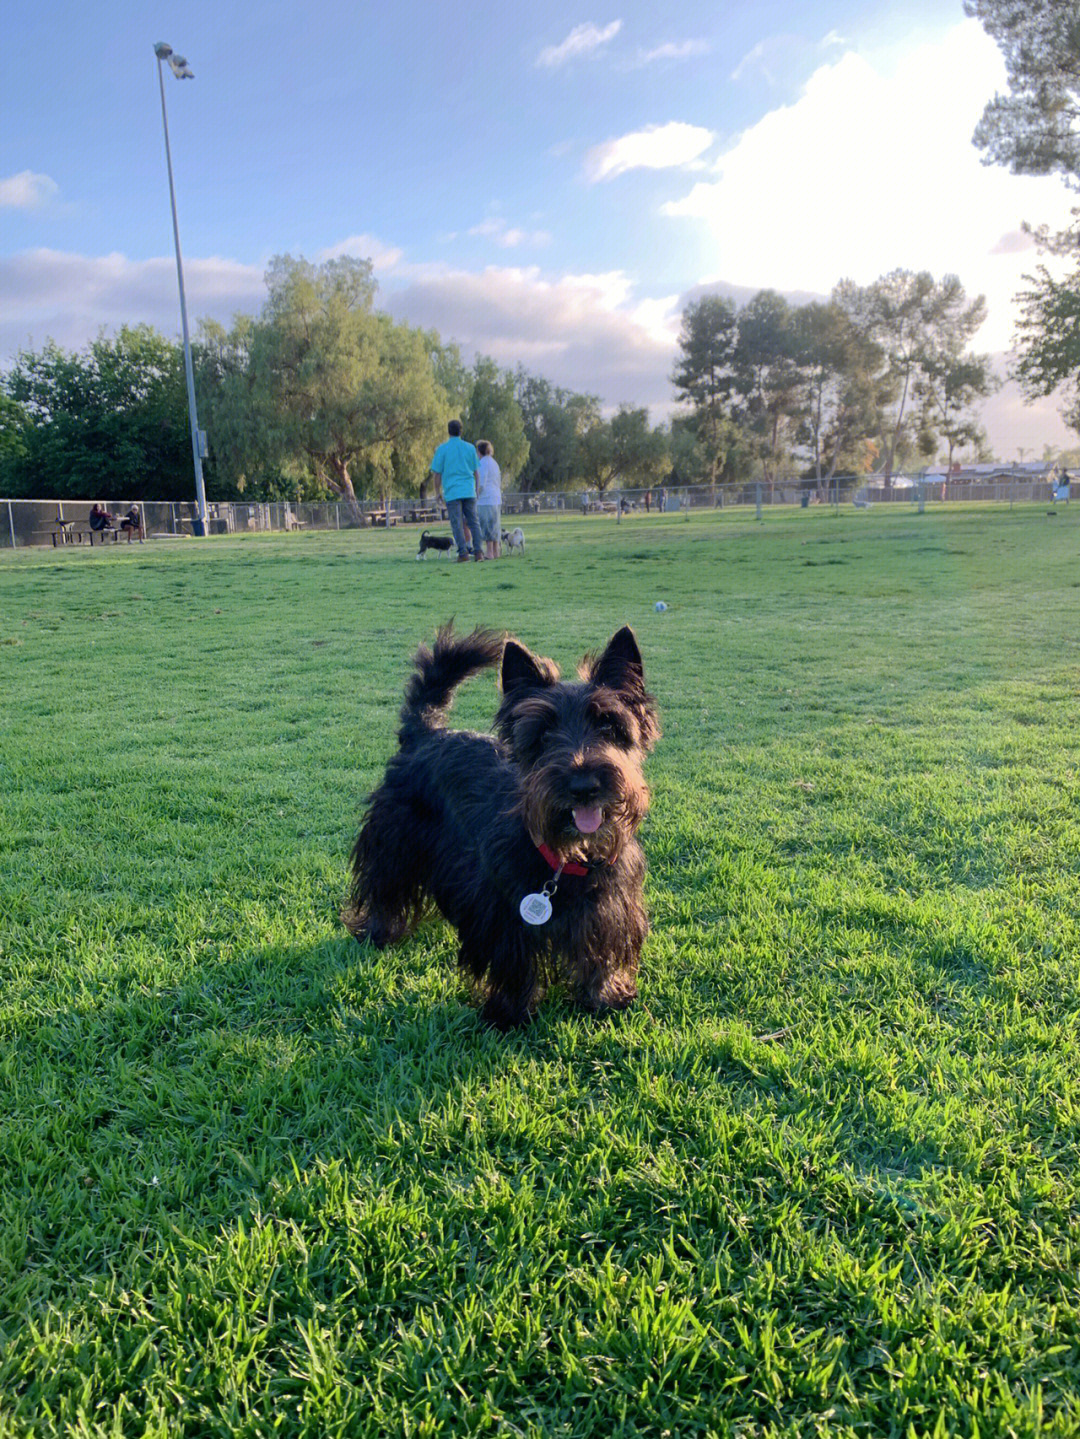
(434, 542)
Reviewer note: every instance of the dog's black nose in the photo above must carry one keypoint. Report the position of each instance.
(584, 786)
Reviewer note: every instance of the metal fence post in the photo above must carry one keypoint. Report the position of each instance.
(757, 496)
(11, 523)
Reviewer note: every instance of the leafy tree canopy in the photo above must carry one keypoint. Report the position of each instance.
(554, 422)
(703, 379)
(108, 421)
(1034, 128)
(491, 412)
(322, 382)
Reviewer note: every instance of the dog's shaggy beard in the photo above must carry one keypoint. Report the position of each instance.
(547, 806)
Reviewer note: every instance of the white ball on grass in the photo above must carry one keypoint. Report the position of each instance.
(660, 607)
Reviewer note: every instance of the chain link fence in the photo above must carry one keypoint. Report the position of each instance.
(55, 522)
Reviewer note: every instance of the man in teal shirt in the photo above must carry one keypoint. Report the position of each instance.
(454, 469)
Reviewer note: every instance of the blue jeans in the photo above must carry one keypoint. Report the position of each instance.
(458, 510)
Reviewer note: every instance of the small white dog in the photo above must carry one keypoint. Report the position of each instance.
(514, 539)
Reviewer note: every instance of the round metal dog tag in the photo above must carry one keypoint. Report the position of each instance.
(535, 909)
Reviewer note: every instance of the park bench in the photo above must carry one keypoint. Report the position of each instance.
(378, 517)
(425, 514)
(116, 534)
(63, 533)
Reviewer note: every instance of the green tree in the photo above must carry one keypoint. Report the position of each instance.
(704, 373)
(1035, 128)
(914, 319)
(322, 382)
(641, 453)
(596, 463)
(1048, 340)
(246, 457)
(554, 421)
(108, 421)
(948, 389)
(844, 390)
(768, 379)
(452, 375)
(15, 425)
(492, 413)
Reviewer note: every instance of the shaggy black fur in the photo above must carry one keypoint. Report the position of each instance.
(459, 817)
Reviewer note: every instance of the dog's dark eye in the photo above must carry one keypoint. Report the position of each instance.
(612, 729)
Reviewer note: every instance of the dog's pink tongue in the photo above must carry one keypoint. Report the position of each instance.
(589, 818)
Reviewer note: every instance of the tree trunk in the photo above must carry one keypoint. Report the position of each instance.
(891, 454)
(342, 486)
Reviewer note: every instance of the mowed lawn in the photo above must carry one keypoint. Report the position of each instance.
(822, 1180)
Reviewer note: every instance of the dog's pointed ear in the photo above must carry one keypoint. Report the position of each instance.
(620, 667)
(521, 669)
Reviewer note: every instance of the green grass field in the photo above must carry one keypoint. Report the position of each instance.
(823, 1180)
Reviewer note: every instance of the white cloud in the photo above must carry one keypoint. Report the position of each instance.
(27, 191)
(872, 169)
(582, 40)
(69, 298)
(764, 55)
(593, 334)
(657, 147)
(365, 247)
(509, 236)
(588, 332)
(1014, 242)
(674, 50)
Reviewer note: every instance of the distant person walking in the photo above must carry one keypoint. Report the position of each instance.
(489, 500)
(661, 499)
(648, 501)
(454, 468)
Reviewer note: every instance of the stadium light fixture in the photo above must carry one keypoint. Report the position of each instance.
(183, 71)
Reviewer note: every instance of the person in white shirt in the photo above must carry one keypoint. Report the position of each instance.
(489, 500)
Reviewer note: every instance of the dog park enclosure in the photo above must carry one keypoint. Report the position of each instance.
(30, 522)
(821, 1180)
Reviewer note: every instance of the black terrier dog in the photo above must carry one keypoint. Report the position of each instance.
(434, 542)
(525, 842)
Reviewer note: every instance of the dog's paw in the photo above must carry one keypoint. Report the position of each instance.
(363, 929)
(614, 995)
(498, 1013)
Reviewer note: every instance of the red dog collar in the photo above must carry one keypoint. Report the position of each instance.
(567, 866)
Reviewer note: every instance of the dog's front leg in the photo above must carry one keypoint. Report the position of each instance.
(608, 980)
(509, 981)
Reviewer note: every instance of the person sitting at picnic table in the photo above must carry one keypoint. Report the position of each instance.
(132, 522)
(100, 519)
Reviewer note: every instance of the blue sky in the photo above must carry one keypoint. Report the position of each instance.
(547, 185)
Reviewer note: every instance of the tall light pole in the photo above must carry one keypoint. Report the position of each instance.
(180, 68)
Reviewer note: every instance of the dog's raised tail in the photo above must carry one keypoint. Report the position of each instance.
(440, 668)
